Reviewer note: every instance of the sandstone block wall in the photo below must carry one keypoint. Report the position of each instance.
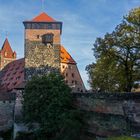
(36, 35)
(6, 115)
(110, 115)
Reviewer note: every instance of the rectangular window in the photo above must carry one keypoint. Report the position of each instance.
(38, 36)
(72, 75)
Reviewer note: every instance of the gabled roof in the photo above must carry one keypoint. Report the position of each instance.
(7, 48)
(66, 57)
(43, 17)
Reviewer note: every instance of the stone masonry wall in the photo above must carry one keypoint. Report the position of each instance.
(31, 34)
(106, 114)
(6, 115)
(110, 115)
(41, 58)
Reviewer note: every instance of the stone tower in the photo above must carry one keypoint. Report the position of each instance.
(42, 45)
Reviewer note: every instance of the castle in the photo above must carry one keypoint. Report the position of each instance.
(43, 54)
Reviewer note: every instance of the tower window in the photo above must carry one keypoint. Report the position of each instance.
(47, 38)
(66, 74)
(38, 36)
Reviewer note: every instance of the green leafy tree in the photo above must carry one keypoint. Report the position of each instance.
(48, 102)
(118, 56)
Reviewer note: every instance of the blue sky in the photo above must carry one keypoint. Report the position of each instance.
(83, 21)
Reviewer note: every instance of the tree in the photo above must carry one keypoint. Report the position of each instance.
(118, 56)
(48, 102)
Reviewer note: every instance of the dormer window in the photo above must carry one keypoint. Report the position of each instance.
(47, 38)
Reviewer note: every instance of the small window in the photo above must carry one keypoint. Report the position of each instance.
(4, 101)
(63, 66)
(72, 75)
(38, 36)
(66, 74)
(72, 81)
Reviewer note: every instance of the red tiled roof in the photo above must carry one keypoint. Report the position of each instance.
(12, 76)
(6, 48)
(66, 57)
(43, 17)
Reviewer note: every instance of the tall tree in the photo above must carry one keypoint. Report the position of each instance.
(118, 56)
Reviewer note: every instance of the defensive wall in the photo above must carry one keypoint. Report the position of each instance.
(110, 114)
(106, 114)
